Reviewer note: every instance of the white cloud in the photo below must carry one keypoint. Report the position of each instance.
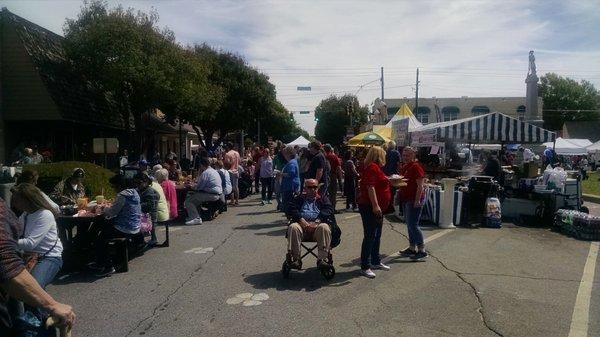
(473, 48)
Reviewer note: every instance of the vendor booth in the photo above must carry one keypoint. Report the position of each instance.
(471, 197)
(569, 147)
(300, 141)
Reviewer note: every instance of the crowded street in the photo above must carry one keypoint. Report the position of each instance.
(299, 168)
(515, 281)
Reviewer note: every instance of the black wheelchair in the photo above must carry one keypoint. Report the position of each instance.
(326, 269)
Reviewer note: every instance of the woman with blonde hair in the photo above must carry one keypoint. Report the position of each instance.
(39, 239)
(374, 198)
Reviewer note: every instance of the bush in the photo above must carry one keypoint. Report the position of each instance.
(96, 177)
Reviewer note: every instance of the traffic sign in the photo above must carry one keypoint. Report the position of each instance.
(304, 88)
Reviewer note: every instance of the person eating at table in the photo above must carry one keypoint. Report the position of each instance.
(149, 200)
(39, 239)
(68, 190)
(122, 219)
(31, 177)
(162, 177)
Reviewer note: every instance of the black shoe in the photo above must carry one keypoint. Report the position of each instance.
(106, 272)
(94, 266)
(419, 256)
(407, 252)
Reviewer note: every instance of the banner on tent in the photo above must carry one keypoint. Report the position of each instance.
(423, 136)
(400, 132)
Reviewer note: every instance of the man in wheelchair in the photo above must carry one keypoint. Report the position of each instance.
(311, 218)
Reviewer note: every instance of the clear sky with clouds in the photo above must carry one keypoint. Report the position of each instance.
(463, 48)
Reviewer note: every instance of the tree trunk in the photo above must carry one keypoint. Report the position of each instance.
(199, 134)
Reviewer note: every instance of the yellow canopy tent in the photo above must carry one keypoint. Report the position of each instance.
(367, 138)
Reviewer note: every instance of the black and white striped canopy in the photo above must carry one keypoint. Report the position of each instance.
(489, 128)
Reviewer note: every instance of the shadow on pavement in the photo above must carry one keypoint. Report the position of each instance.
(262, 225)
(271, 211)
(278, 232)
(305, 280)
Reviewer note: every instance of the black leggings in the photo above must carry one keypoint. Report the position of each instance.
(267, 188)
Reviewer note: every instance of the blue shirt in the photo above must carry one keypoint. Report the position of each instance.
(126, 211)
(392, 158)
(210, 182)
(309, 210)
(291, 177)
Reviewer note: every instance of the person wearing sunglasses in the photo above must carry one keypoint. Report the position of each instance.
(310, 215)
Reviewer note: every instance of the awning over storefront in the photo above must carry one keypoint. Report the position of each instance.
(489, 128)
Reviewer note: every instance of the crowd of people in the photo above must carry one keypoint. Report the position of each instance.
(304, 182)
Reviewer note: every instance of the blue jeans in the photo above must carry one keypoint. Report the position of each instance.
(412, 215)
(286, 197)
(372, 226)
(46, 269)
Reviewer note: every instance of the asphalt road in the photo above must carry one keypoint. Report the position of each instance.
(513, 281)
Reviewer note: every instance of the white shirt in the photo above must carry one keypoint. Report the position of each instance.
(40, 234)
(228, 186)
(528, 155)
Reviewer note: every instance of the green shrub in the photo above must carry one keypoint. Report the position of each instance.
(96, 177)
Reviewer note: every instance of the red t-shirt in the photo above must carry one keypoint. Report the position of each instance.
(372, 175)
(411, 171)
(334, 162)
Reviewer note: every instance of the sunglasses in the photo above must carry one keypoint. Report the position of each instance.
(312, 187)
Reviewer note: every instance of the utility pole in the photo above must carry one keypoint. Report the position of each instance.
(417, 93)
(258, 131)
(382, 84)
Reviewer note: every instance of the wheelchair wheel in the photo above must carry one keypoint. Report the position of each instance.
(328, 272)
(285, 270)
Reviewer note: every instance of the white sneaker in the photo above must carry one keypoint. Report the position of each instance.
(381, 266)
(368, 273)
(192, 222)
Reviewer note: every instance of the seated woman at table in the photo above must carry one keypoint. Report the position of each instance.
(31, 177)
(168, 187)
(68, 190)
(122, 220)
(149, 200)
(39, 239)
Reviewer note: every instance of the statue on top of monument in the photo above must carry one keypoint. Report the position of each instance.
(532, 69)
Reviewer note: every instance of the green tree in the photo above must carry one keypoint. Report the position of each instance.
(335, 114)
(248, 96)
(125, 53)
(280, 124)
(568, 100)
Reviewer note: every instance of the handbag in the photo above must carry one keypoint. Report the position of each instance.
(145, 223)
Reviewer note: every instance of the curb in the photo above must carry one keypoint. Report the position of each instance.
(591, 198)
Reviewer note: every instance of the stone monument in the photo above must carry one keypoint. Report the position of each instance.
(531, 100)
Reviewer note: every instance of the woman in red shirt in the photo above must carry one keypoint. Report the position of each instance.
(374, 198)
(411, 199)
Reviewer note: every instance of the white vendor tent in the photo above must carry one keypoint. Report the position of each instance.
(566, 147)
(300, 141)
(594, 147)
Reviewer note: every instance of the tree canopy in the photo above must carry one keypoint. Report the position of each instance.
(125, 53)
(568, 100)
(334, 114)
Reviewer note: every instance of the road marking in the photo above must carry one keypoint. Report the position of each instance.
(581, 312)
(427, 240)
(351, 216)
(199, 250)
(248, 299)
(437, 235)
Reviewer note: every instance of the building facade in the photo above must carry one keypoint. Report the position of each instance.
(435, 109)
